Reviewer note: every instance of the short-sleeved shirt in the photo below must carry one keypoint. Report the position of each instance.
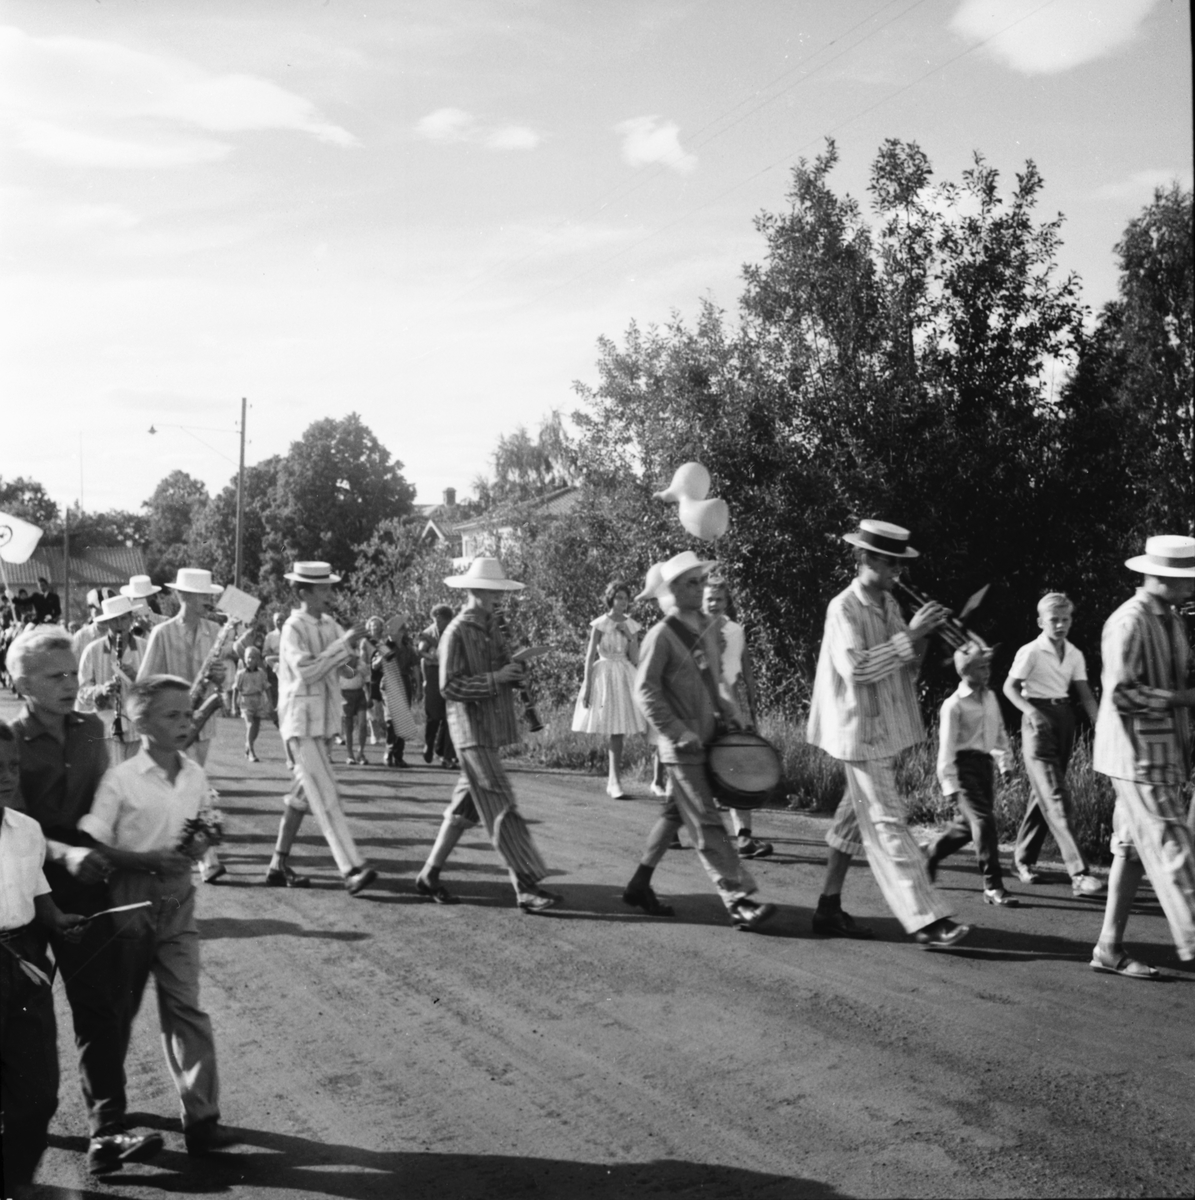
(22, 874)
(137, 807)
(1043, 674)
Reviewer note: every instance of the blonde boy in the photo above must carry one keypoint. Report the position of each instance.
(140, 817)
(1040, 682)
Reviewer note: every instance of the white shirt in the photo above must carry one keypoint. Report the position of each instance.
(22, 855)
(1043, 674)
(97, 668)
(970, 720)
(734, 639)
(308, 688)
(137, 807)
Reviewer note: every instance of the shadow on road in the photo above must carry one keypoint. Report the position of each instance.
(277, 1163)
(251, 927)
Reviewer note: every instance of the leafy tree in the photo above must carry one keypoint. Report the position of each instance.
(27, 499)
(526, 467)
(212, 542)
(334, 486)
(173, 510)
(397, 572)
(115, 527)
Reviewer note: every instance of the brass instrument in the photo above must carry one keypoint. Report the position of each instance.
(524, 690)
(204, 706)
(954, 633)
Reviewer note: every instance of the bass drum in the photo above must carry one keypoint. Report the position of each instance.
(744, 769)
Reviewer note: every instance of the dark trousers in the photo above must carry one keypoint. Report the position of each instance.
(1047, 739)
(438, 740)
(395, 745)
(28, 1059)
(975, 820)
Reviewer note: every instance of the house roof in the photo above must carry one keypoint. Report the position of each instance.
(554, 504)
(96, 566)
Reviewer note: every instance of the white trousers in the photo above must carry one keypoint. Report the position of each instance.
(315, 791)
(872, 815)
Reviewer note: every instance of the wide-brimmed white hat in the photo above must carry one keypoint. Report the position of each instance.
(117, 606)
(1167, 554)
(195, 579)
(880, 537)
(484, 574)
(678, 564)
(312, 572)
(138, 586)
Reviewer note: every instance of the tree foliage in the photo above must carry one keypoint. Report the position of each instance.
(212, 542)
(27, 499)
(173, 510)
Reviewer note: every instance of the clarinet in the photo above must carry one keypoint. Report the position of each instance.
(117, 699)
(523, 690)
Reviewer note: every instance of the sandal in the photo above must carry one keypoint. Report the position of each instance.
(1130, 968)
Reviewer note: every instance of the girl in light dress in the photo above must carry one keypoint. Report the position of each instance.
(737, 679)
(606, 704)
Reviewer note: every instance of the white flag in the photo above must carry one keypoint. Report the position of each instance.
(18, 539)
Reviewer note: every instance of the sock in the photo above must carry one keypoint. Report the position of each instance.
(641, 879)
(829, 904)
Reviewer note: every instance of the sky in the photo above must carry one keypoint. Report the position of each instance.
(428, 213)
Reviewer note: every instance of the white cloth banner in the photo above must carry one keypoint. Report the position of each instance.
(18, 539)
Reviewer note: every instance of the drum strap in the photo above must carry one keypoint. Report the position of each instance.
(691, 641)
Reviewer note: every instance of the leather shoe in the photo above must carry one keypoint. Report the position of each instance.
(215, 875)
(436, 892)
(1001, 898)
(840, 924)
(208, 1137)
(646, 899)
(538, 901)
(941, 935)
(749, 916)
(108, 1152)
(283, 876)
(355, 882)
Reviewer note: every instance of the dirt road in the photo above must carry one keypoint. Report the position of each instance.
(384, 1047)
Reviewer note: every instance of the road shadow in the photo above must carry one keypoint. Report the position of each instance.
(277, 1162)
(253, 927)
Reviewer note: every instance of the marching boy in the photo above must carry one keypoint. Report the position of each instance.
(143, 815)
(311, 650)
(971, 735)
(252, 690)
(1039, 684)
(28, 1034)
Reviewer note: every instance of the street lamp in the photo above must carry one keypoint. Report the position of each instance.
(240, 474)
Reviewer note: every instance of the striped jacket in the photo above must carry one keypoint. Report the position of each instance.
(864, 704)
(480, 711)
(1138, 735)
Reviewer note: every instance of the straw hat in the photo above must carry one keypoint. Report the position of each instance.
(882, 538)
(195, 579)
(312, 572)
(678, 564)
(484, 575)
(139, 586)
(1168, 555)
(117, 606)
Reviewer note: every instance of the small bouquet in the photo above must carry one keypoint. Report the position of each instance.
(202, 832)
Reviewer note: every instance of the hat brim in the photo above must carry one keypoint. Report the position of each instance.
(114, 617)
(213, 589)
(132, 595)
(1144, 565)
(705, 565)
(483, 585)
(856, 540)
(307, 578)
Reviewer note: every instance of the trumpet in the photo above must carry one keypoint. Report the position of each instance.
(954, 633)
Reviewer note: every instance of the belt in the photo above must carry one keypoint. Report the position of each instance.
(1064, 701)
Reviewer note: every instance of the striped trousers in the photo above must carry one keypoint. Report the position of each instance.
(315, 791)
(1148, 823)
(871, 817)
(484, 789)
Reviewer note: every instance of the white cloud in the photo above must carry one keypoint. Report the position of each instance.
(93, 103)
(456, 125)
(1141, 184)
(447, 125)
(513, 137)
(653, 140)
(1063, 34)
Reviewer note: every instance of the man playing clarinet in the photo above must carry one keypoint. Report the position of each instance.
(864, 712)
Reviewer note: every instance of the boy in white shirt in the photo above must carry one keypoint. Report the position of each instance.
(1039, 684)
(142, 815)
(971, 734)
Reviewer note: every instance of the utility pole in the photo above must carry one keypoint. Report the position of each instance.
(240, 494)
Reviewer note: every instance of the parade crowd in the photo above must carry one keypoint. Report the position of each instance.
(104, 803)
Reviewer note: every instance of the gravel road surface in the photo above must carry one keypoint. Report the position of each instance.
(385, 1047)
